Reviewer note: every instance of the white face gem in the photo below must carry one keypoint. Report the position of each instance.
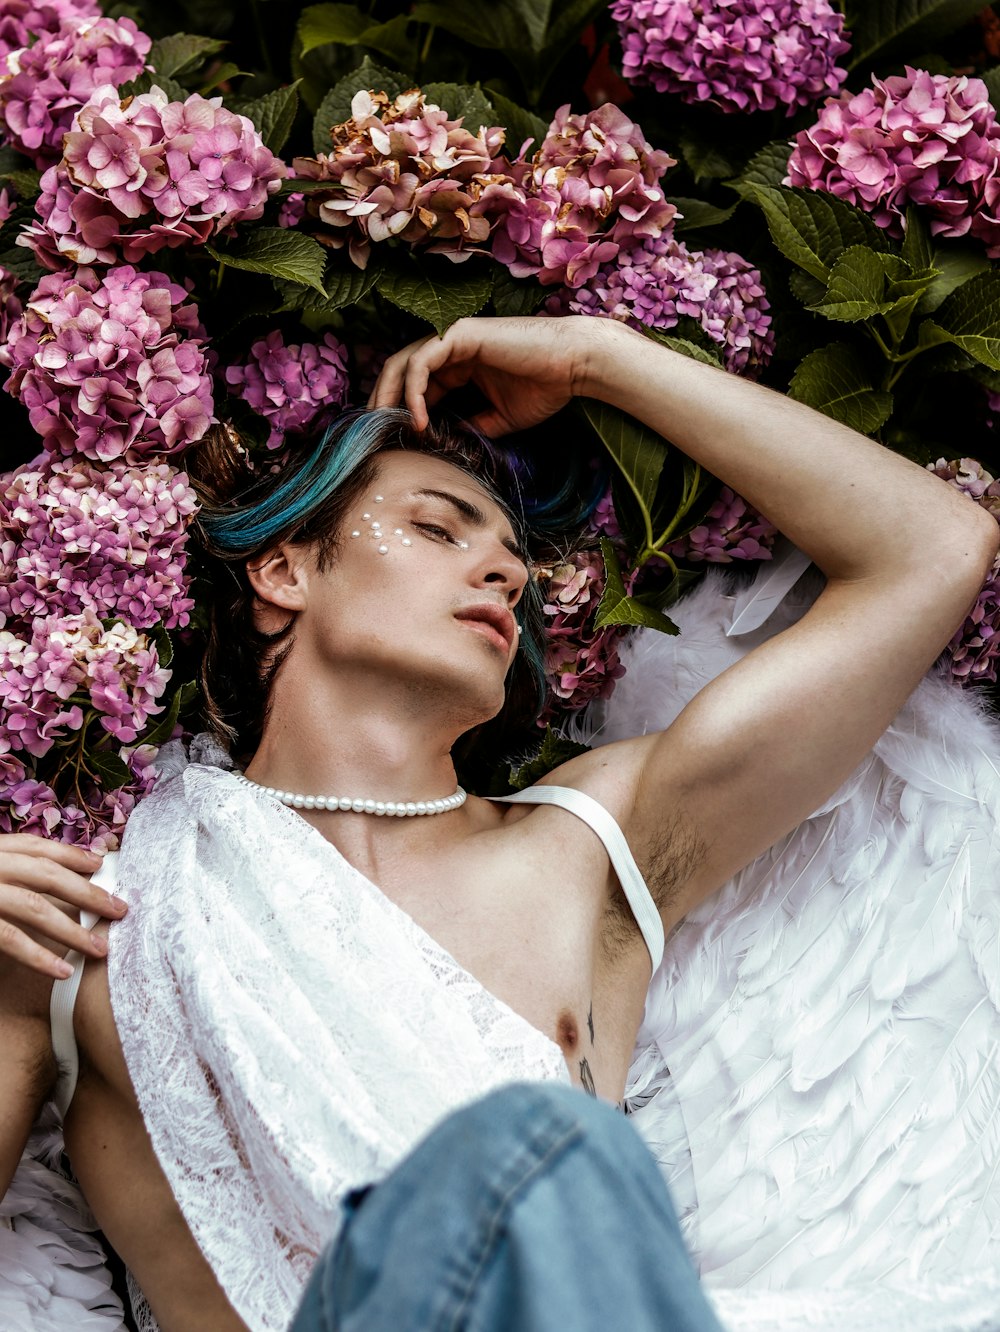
(397, 531)
(406, 542)
(365, 517)
(519, 629)
(383, 550)
(355, 533)
(463, 545)
(378, 499)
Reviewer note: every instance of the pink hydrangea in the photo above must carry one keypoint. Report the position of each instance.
(741, 55)
(604, 521)
(581, 662)
(931, 140)
(29, 805)
(592, 187)
(111, 366)
(69, 663)
(21, 21)
(402, 169)
(74, 537)
(147, 173)
(46, 84)
(654, 283)
(731, 530)
(293, 387)
(10, 301)
(974, 652)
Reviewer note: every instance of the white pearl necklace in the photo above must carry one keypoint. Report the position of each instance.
(400, 809)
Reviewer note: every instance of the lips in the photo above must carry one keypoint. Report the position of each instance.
(493, 617)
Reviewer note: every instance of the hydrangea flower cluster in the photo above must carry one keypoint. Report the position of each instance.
(581, 662)
(926, 139)
(147, 173)
(10, 302)
(656, 282)
(974, 652)
(111, 540)
(111, 366)
(401, 168)
(22, 21)
(68, 663)
(46, 84)
(291, 386)
(731, 530)
(31, 806)
(591, 188)
(742, 55)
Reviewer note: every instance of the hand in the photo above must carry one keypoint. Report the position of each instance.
(31, 869)
(527, 368)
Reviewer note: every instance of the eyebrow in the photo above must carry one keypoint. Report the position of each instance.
(474, 515)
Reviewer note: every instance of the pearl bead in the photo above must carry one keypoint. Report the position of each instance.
(397, 531)
(358, 806)
(344, 802)
(411, 808)
(421, 806)
(355, 533)
(383, 550)
(310, 802)
(378, 499)
(365, 517)
(407, 541)
(380, 808)
(376, 526)
(299, 801)
(369, 806)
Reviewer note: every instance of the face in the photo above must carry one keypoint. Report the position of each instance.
(421, 591)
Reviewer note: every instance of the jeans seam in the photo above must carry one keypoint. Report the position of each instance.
(489, 1230)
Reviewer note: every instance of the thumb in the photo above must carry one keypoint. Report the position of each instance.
(492, 423)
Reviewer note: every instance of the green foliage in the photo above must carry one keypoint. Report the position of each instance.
(439, 296)
(812, 229)
(618, 607)
(838, 381)
(554, 750)
(335, 107)
(970, 318)
(886, 24)
(277, 253)
(274, 114)
(180, 54)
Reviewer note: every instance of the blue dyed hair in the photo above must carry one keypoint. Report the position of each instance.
(244, 516)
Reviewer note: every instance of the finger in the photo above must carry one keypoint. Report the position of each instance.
(73, 857)
(44, 875)
(23, 910)
(491, 424)
(388, 390)
(19, 948)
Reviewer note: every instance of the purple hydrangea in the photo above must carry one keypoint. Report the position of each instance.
(731, 530)
(28, 805)
(47, 84)
(974, 652)
(604, 521)
(581, 662)
(293, 387)
(111, 366)
(147, 173)
(926, 139)
(741, 55)
(402, 169)
(74, 537)
(68, 663)
(22, 21)
(592, 187)
(654, 283)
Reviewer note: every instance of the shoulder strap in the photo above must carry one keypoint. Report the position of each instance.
(63, 1002)
(593, 813)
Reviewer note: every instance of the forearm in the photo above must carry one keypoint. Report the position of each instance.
(856, 508)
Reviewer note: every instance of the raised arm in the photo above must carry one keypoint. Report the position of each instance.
(904, 556)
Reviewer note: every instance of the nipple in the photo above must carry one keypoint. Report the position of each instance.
(567, 1031)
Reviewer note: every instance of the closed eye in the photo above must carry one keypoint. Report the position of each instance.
(435, 530)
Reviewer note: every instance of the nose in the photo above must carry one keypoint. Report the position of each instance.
(501, 568)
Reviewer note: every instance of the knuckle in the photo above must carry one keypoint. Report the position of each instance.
(35, 906)
(10, 936)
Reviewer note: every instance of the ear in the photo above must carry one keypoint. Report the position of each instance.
(280, 580)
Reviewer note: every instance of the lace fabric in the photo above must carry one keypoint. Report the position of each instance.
(290, 1032)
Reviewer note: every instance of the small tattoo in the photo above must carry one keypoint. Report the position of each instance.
(587, 1078)
(590, 1023)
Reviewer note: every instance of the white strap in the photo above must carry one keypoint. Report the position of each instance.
(63, 1002)
(593, 813)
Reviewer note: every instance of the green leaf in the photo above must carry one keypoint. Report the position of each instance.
(519, 123)
(970, 318)
(955, 264)
(917, 248)
(461, 100)
(811, 228)
(617, 607)
(837, 381)
(147, 80)
(335, 107)
(638, 451)
(112, 771)
(164, 645)
(344, 286)
(222, 74)
(878, 24)
(515, 296)
(992, 80)
(555, 749)
(693, 214)
(704, 157)
(320, 25)
(768, 167)
(25, 182)
(279, 253)
(274, 114)
(181, 53)
(440, 296)
(490, 25)
(864, 284)
(163, 727)
(804, 287)
(706, 355)
(23, 264)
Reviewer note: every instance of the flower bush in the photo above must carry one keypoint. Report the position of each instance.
(743, 55)
(240, 227)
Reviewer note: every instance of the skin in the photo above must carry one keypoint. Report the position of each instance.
(381, 645)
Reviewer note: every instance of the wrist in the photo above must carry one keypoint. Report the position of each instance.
(605, 347)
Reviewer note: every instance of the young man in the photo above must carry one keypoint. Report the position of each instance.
(370, 701)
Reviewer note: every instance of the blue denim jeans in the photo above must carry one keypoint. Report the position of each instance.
(537, 1209)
